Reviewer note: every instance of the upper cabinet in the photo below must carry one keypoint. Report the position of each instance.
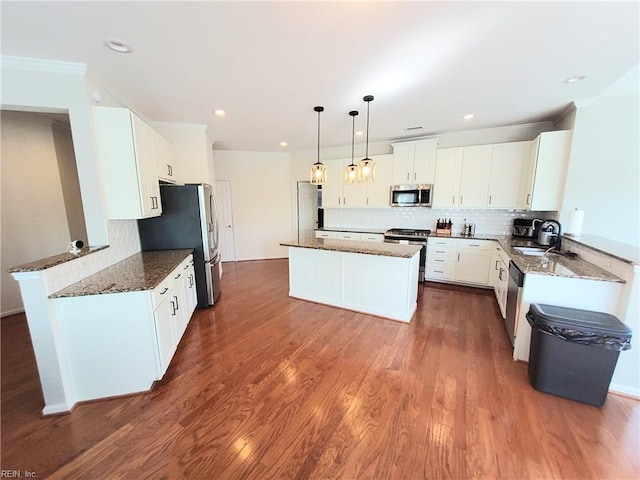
(338, 194)
(165, 159)
(462, 177)
(506, 169)
(544, 173)
(125, 147)
(414, 162)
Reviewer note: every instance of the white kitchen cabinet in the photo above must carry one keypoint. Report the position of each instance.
(499, 277)
(414, 162)
(325, 234)
(474, 176)
(165, 159)
(346, 235)
(338, 194)
(462, 177)
(191, 294)
(458, 260)
(377, 192)
(120, 343)
(127, 164)
(165, 336)
(446, 186)
(544, 172)
(506, 170)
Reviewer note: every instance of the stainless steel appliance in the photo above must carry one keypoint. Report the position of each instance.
(410, 195)
(189, 220)
(526, 227)
(514, 295)
(411, 237)
(549, 234)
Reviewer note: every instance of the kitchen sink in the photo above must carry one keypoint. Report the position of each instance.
(538, 251)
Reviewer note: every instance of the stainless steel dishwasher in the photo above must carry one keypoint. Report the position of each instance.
(514, 295)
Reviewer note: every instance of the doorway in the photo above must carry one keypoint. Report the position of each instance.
(225, 221)
(307, 210)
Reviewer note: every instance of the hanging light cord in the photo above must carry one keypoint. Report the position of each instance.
(353, 130)
(318, 110)
(367, 152)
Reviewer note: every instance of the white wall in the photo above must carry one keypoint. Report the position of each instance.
(34, 218)
(603, 177)
(262, 209)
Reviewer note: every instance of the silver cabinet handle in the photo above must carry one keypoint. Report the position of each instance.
(458, 256)
(461, 197)
(164, 291)
(489, 199)
(528, 198)
(496, 267)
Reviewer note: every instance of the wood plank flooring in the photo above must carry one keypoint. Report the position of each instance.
(268, 387)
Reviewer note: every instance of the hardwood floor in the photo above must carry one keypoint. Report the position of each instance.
(268, 387)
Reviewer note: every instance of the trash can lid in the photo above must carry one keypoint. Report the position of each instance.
(584, 320)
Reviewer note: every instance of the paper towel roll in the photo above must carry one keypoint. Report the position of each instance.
(574, 223)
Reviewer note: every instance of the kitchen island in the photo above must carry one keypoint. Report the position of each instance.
(375, 278)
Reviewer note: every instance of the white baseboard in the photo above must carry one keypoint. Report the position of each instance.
(11, 312)
(625, 391)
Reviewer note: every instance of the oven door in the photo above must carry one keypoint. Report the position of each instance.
(423, 252)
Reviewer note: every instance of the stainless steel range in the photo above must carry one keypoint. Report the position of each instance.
(413, 237)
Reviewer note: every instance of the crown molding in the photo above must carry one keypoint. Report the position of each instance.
(40, 65)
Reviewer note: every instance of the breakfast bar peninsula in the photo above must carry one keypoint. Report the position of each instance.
(376, 278)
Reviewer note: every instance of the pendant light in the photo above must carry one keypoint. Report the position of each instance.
(318, 169)
(351, 171)
(367, 167)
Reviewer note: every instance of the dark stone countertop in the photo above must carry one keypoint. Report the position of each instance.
(355, 246)
(139, 272)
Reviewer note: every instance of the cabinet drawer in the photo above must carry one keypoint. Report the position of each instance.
(321, 234)
(347, 236)
(441, 260)
(372, 237)
(162, 291)
(436, 251)
(441, 242)
(439, 272)
(475, 244)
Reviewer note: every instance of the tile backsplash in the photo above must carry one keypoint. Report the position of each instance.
(123, 242)
(488, 222)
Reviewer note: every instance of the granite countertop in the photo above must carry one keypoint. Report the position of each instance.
(142, 271)
(355, 246)
(354, 230)
(552, 263)
(618, 250)
(49, 262)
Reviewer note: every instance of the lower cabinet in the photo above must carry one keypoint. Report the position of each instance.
(499, 277)
(366, 237)
(459, 260)
(120, 343)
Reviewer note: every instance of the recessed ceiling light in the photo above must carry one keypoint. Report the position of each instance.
(359, 133)
(118, 46)
(468, 116)
(283, 144)
(575, 79)
(220, 113)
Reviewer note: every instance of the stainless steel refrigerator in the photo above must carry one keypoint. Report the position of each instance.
(189, 220)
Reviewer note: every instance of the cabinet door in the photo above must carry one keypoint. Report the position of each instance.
(165, 160)
(447, 179)
(179, 309)
(506, 168)
(323, 234)
(164, 335)
(354, 194)
(473, 266)
(189, 290)
(551, 170)
(143, 136)
(527, 176)
(403, 155)
(378, 190)
(424, 163)
(503, 287)
(332, 194)
(474, 178)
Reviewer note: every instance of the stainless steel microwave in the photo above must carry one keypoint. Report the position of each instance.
(410, 195)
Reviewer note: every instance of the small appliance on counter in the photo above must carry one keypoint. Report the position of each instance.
(526, 227)
(468, 229)
(549, 234)
(443, 227)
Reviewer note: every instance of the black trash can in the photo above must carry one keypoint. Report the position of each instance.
(573, 352)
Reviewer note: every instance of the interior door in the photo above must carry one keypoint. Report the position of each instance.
(226, 245)
(307, 210)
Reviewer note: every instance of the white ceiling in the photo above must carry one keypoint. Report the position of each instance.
(269, 63)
